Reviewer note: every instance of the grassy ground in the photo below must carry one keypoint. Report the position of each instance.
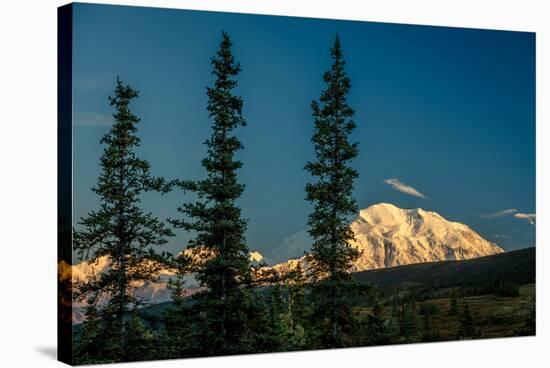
(493, 316)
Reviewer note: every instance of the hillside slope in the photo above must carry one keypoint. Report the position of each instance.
(517, 266)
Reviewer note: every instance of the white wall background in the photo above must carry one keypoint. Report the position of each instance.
(28, 180)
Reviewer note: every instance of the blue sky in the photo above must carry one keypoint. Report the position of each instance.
(446, 116)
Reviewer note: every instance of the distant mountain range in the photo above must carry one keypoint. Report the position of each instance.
(438, 279)
(386, 236)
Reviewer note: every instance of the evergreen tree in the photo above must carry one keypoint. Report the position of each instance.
(121, 230)
(507, 289)
(530, 325)
(224, 269)
(90, 343)
(297, 314)
(394, 309)
(453, 306)
(467, 328)
(430, 332)
(142, 342)
(331, 195)
(275, 329)
(408, 324)
(376, 331)
(178, 336)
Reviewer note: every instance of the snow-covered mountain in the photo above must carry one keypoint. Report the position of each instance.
(389, 236)
(152, 291)
(386, 235)
(292, 247)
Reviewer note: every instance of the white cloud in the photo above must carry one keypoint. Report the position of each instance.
(531, 217)
(404, 188)
(502, 213)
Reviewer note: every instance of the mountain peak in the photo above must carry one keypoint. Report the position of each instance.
(387, 236)
(389, 207)
(380, 207)
(388, 214)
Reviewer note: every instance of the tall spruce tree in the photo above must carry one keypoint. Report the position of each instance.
(375, 331)
(224, 270)
(331, 195)
(122, 231)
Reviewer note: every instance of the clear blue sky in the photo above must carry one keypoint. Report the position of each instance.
(447, 111)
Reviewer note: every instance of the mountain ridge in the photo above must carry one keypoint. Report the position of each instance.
(389, 236)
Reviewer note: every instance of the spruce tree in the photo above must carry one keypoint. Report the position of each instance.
(376, 332)
(224, 269)
(331, 194)
(467, 328)
(430, 331)
(276, 339)
(91, 338)
(408, 324)
(178, 321)
(297, 313)
(121, 230)
(530, 324)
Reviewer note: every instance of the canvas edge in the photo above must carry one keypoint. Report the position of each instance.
(64, 182)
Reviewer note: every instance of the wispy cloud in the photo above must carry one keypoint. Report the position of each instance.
(92, 119)
(500, 236)
(507, 212)
(531, 217)
(404, 188)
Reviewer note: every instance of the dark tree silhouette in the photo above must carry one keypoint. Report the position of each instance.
(219, 244)
(122, 231)
(331, 195)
